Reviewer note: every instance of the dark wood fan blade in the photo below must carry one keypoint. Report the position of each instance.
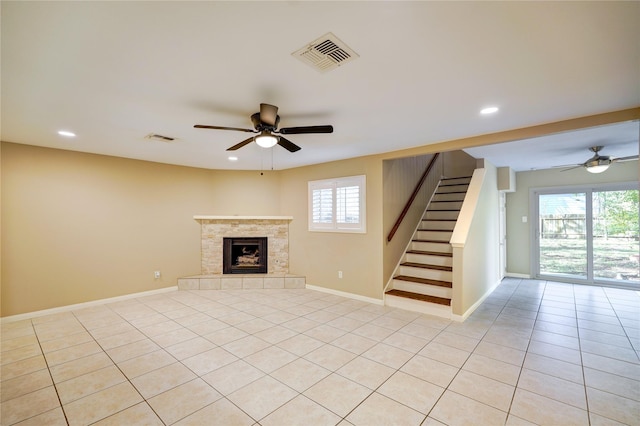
(241, 144)
(268, 114)
(288, 145)
(306, 129)
(238, 129)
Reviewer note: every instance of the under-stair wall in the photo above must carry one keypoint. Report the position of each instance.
(476, 244)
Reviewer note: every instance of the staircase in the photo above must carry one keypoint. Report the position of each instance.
(423, 280)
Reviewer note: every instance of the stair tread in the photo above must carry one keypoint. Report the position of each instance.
(441, 220)
(430, 253)
(430, 241)
(434, 230)
(423, 281)
(422, 297)
(427, 266)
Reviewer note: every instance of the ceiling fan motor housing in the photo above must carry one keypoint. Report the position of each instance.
(260, 126)
(600, 160)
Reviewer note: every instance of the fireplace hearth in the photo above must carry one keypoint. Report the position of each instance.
(244, 255)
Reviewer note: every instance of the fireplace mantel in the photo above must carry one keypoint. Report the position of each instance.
(208, 217)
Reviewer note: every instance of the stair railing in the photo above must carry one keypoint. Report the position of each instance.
(413, 196)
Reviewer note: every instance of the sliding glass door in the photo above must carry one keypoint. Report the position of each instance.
(615, 235)
(563, 235)
(587, 235)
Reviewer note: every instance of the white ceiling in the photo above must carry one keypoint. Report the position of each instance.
(563, 149)
(113, 72)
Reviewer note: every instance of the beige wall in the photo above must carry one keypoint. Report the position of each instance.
(518, 233)
(476, 247)
(80, 227)
(458, 164)
(320, 255)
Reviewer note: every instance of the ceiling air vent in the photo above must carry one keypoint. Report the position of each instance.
(326, 53)
(161, 138)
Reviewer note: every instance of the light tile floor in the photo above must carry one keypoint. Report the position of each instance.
(534, 352)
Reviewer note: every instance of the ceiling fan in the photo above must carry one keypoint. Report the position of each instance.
(599, 163)
(265, 123)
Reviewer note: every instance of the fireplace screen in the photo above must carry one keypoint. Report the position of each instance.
(244, 255)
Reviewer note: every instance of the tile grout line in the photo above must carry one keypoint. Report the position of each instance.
(584, 378)
(195, 373)
(118, 367)
(515, 386)
(64, 413)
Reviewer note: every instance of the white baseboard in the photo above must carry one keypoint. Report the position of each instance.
(516, 275)
(67, 308)
(347, 295)
(461, 318)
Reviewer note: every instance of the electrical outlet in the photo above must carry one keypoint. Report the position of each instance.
(156, 274)
(339, 274)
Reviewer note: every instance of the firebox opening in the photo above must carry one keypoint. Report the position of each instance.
(245, 255)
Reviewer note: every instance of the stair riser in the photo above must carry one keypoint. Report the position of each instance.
(446, 225)
(440, 205)
(434, 214)
(452, 188)
(431, 274)
(418, 306)
(453, 196)
(437, 247)
(428, 259)
(429, 290)
(444, 236)
(456, 181)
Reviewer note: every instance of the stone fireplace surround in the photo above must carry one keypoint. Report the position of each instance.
(214, 228)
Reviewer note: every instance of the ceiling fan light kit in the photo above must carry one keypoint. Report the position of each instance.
(266, 139)
(598, 166)
(598, 163)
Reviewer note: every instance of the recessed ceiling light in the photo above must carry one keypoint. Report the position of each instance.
(66, 133)
(233, 158)
(488, 110)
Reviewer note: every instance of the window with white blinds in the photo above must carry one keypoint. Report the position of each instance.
(337, 205)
